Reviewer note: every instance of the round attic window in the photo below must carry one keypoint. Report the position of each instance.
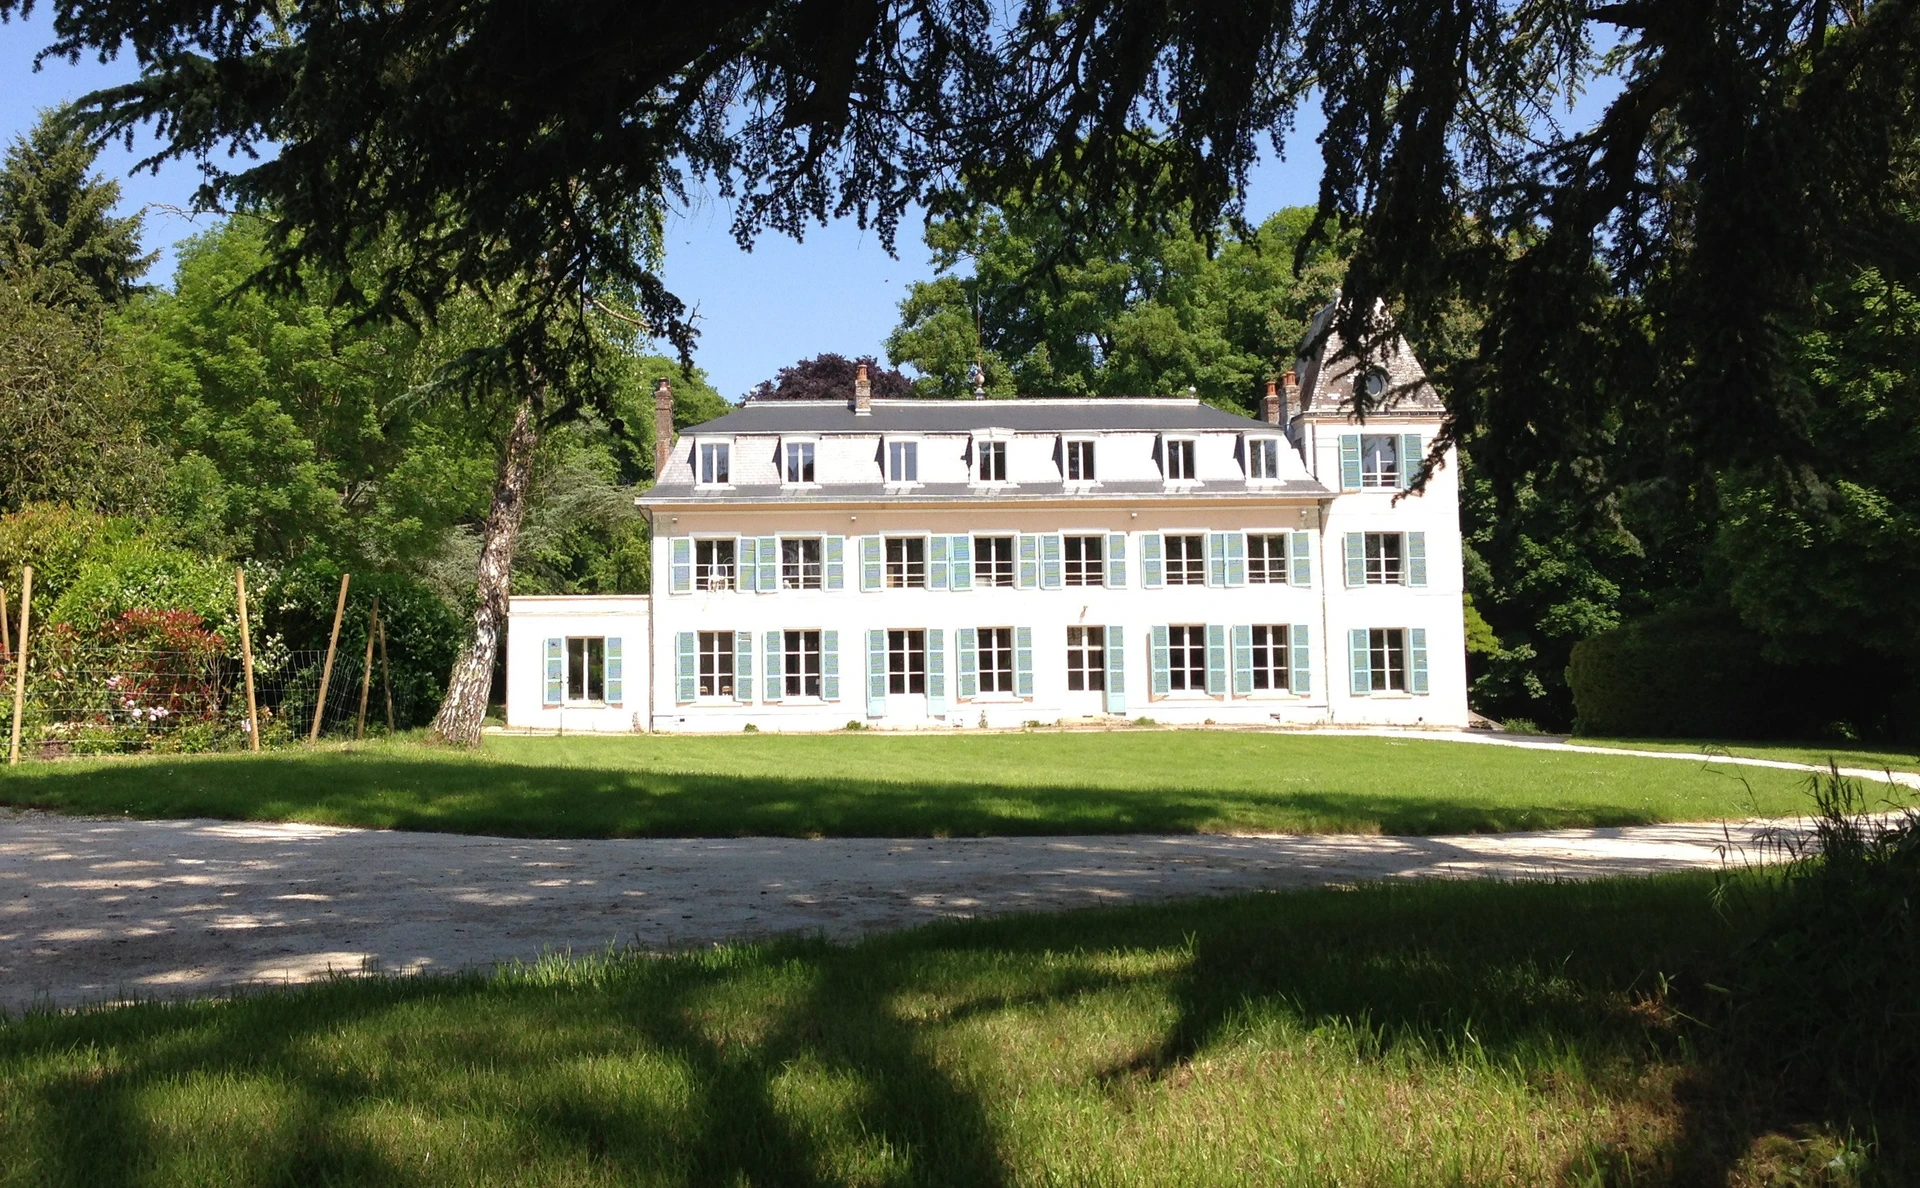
(1374, 385)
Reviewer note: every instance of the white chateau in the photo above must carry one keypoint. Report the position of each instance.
(926, 564)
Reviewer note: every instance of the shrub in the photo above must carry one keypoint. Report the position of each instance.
(423, 633)
(1679, 674)
(147, 575)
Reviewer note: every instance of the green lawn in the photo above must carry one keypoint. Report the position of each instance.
(1408, 1034)
(1845, 754)
(877, 785)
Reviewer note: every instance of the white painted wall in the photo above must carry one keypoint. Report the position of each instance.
(531, 621)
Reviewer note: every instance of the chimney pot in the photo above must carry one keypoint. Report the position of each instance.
(662, 426)
(862, 392)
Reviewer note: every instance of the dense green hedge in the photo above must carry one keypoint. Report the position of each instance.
(1679, 674)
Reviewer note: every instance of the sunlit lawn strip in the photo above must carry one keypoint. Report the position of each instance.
(1845, 754)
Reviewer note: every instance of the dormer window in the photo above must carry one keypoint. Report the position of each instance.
(1380, 460)
(1179, 465)
(716, 463)
(799, 463)
(1263, 458)
(903, 461)
(992, 461)
(1079, 462)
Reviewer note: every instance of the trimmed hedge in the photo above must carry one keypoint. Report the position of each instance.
(1679, 674)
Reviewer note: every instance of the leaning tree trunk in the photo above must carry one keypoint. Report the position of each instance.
(465, 708)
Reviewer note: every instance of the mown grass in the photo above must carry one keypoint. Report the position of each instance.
(1458, 1034)
(1870, 758)
(872, 785)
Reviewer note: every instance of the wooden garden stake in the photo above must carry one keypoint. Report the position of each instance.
(386, 676)
(366, 672)
(20, 665)
(326, 669)
(246, 662)
(6, 648)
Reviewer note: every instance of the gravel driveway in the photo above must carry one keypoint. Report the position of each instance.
(95, 909)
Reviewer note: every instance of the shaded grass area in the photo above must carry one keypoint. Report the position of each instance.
(1870, 758)
(1411, 1034)
(869, 785)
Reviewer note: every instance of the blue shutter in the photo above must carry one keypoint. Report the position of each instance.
(1358, 661)
(1349, 461)
(616, 691)
(1027, 572)
(1023, 661)
(1417, 660)
(687, 666)
(1300, 680)
(1300, 559)
(1243, 660)
(1216, 558)
(1152, 570)
(1236, 558)
(776, 666)
(834, 558)
(556, 672)
(829, 666)
(876, 673)
(937, 566)
(1162, 685)
(743, 666)
(1216, 660)
(969, 642)
(1356, 559)
(873, 563)
(1116, 671)
(936, 669)
(1116, 560)
(746, 564)
(769, 564)
(1411, 456)
(1416, 558)
(1050, 561)
(960, 555)
(680, 569)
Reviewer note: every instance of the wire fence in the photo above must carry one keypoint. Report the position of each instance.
(94, 700)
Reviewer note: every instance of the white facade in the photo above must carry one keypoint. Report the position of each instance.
(942, 565)
(555, 679)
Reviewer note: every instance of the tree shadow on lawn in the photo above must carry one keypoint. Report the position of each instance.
(800, 1060)
(459, 795)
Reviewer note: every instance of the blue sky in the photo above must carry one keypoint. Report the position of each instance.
(837, 291)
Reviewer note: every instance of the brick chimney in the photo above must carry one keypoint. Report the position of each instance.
(662, 426)
(1270, 407)
(862, 393)
(1290, 397)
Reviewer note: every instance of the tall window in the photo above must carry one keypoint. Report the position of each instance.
(906, 662)
(1267, 559)
(1383, 558)
(1186, 561)
(1187, 659)
(713, 564)
(1263, 458)
(996, 659)
(1379, 460)
(1271, 669)
(586, 668)
(993, 461)
(1084, 555)
(714, 459)
(903, 461)
(1387, 659)
(1079, 461)
(993, 561)
(1086, 659)
(800, 564)
(800, 462)
(801, 672)
(716, 664)
(1180, 459)
(906, 562)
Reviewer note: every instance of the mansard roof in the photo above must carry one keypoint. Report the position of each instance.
(1327, 378)
(1025, 415)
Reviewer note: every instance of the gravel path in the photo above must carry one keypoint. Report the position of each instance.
(93, 909)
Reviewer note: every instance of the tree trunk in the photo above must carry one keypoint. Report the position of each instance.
(461, 714)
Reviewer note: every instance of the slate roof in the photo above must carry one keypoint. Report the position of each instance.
(1138, 414)
(685, 493)
(1327, 379)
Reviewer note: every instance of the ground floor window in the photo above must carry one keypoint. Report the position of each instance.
(1387, 659)
(716, 664)
(907, 661)
(1187, 659)
(802, 669)
(1270, 662)
(587, 668)
(996, 659)
(1086, 659)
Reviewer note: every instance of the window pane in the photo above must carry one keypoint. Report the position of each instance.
(576, 670)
